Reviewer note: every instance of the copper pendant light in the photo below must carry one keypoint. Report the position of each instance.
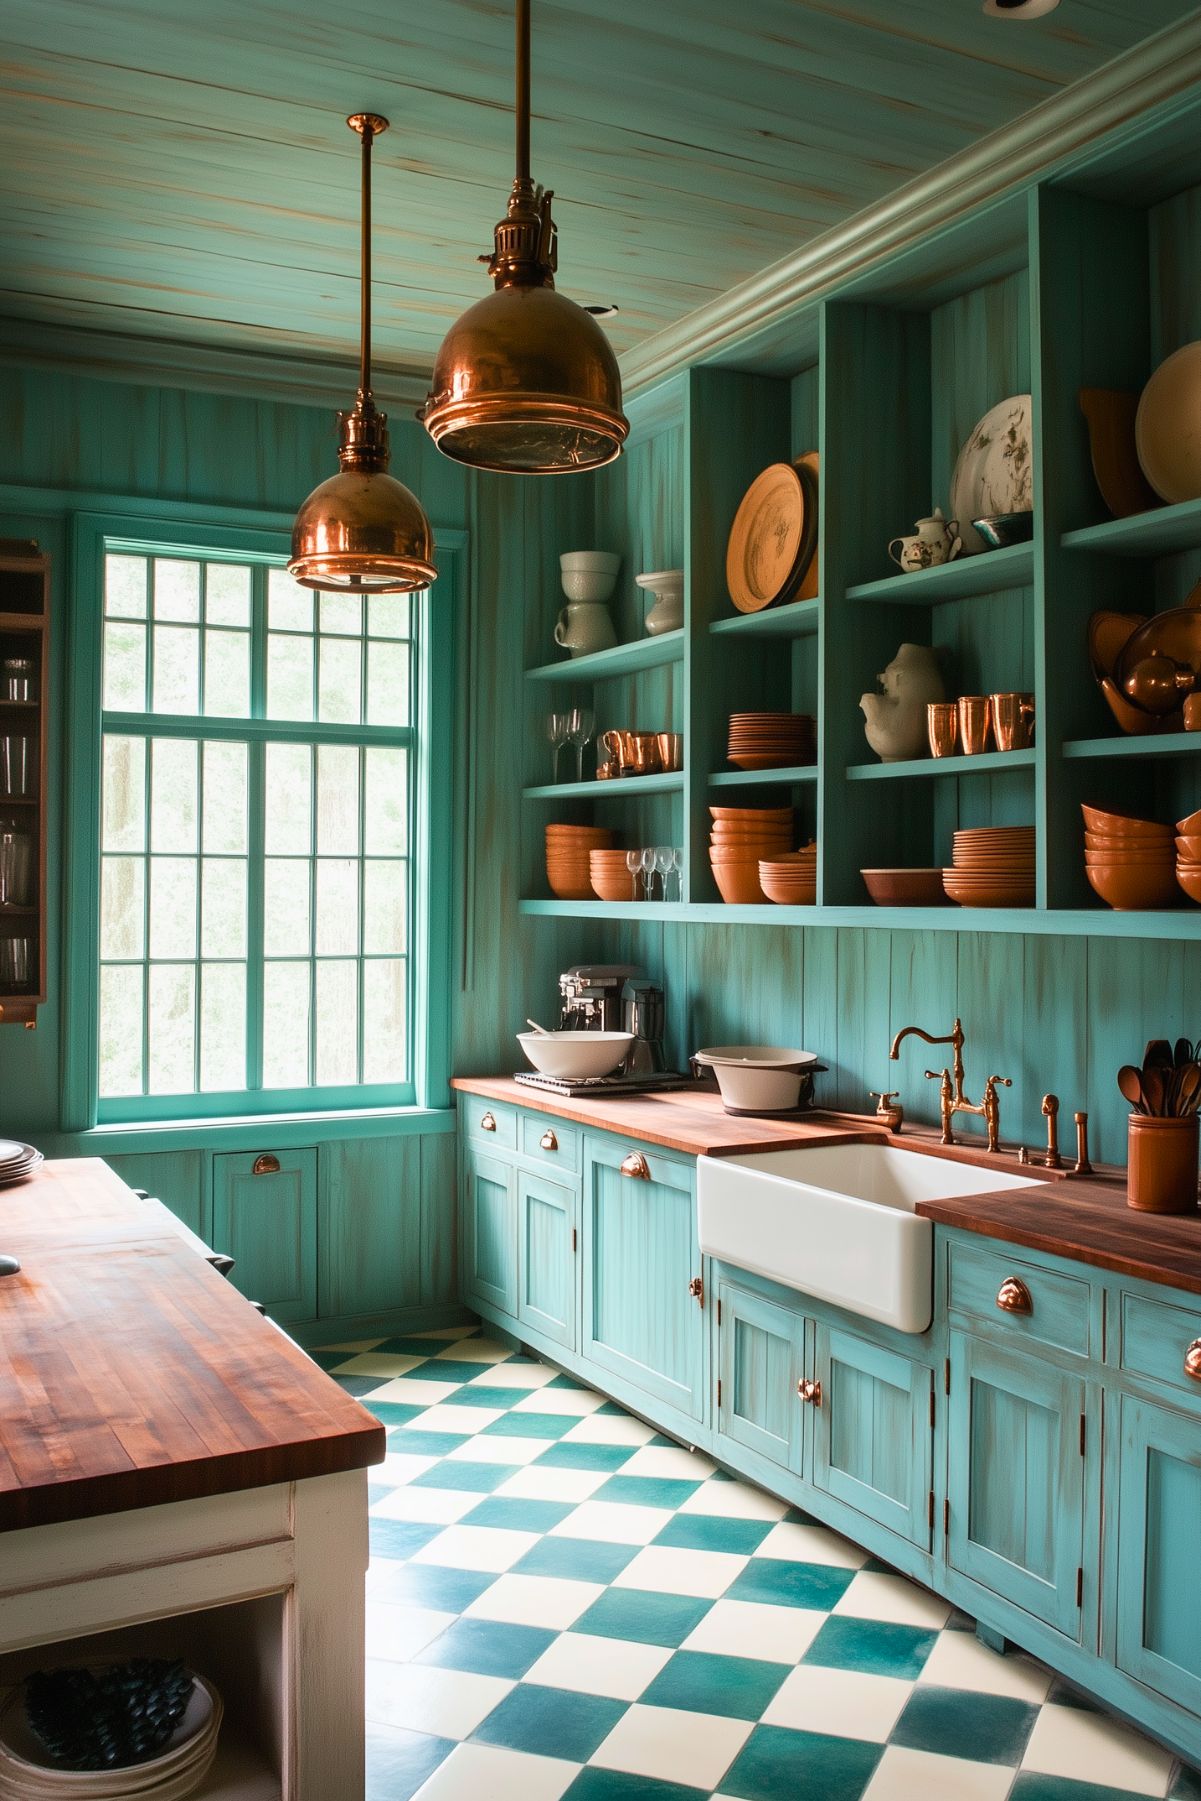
(526, 381)
(362, 529)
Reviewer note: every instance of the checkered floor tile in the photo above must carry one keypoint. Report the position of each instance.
(563, 1603)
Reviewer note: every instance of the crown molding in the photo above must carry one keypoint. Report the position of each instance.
(1046, 140)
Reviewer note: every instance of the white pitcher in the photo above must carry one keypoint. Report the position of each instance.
(584, 626)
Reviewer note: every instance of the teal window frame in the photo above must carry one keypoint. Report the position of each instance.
(429, 739)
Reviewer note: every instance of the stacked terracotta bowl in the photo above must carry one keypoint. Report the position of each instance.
(568, 850)
(1188, 855)
(791, 881)
(610, 875)
(1130, 863)
(993, 867)
(739, 839)
(771, 740)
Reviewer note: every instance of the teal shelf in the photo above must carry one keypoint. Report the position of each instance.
(1162, 744)
(764, 778)
(622, 659)
(987, 573)
(1173, 925)
(992, 762)
(1153, 534)
(669, 783)
(796, 620)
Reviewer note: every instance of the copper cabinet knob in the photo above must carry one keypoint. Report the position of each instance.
(810, 1391)
(487, 1123)
(1014, 1297)
(548, 1141)
(636, 1165)
(266, 1165)
(696, 1289)
(1192, 1360)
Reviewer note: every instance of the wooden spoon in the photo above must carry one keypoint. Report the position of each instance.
(1182, 1052)
(1130, 1082)
(1188, 1090)
(1158, 1054)
(1155, 1090)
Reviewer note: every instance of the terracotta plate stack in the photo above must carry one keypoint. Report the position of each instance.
(1188, 855)
(772, 740)
(1130, 863)
(610, 875)
(993, 867)
(791, 881)
(739, 838)
(568, 849)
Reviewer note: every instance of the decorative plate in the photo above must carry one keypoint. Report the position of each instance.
(1167, 426)
(994, 472)
(772, 538)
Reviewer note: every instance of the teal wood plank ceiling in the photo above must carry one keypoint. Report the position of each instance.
(185, 173)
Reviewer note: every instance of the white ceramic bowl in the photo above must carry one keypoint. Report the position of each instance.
(758, 1078)
(575, 1054)
(595, 562)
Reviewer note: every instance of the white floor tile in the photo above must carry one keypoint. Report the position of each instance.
(444, 1334)
(560, 1400)
(546, 1482)
(670, 1461)
(846, 1703)
(396, 1632)
(450, 1703)
(476, 1548)
(476, 1350)
(399, 1466)
(1091, 1747)
(472, 1771)
(549, 1601)
(811, 1544)
(904, 1775)
(756, 1629)
(598, 1666)
(609, 1429)
(435, 1506)
(463, 1422)
(872, 1595)
(375, 1363)
(671, 1570)
(515, 1375)
(414, 1391)
(959, 1660)
(734, 1501)
(673, 1745)
(496, 1448)
(613, 1523)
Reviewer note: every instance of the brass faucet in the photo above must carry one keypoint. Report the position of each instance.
(952, 1099)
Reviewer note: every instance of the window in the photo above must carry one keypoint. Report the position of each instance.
(257, 803)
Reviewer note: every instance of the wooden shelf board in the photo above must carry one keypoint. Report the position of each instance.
(668, 783)
(993, 762)
(1172, 924)
(1162, 744)
(622, 659)
(798, 619)
(764, 778)
(1152, 534)
(987, 573)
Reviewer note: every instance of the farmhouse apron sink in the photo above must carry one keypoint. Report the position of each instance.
(837, 1221)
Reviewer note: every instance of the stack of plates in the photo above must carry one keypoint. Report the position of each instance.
(739, 837)
(792, 880)
(17, 1161)
(1131, 863)
(1188, 855)
(568, 848)
(28, 1773)
(772, 740)
(993, 867)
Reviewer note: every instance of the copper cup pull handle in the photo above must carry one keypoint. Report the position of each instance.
(487, 1123)
(548, 1141)
(636, 1165)
(266, 1165)
(1014, 1297)
(1192, 1360)
(810, 1391)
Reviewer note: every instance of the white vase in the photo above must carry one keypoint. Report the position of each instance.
(667, 614)
(896, 717)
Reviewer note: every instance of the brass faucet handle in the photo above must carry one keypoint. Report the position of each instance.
(1050, 1110)
(1082, 1166)
(999, 1082)
(936, 1075)
(889, 1112)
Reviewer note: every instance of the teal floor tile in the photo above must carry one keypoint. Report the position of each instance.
(407, 1347)
(1031, 1786)
(567, 1456)
(430, 1585)
(784, 1584)
(710, 1532)
(877, 1647)
(576, 1559)
(378, 1491)
(961, 1723)
(562, 1381)
(778, 1765)
(329, 1360)
(492, 1398)
(446, 1369)
(646, 1491)
(411, 1441)
(1187, 1786)
(701, 1682)
(551, 1722)
(647, 1619)
(518, 1515)
(399, 1762)
(532, 1425)
(399, 1538)
(360, 1385)
(616, 1785)
(453, 1473)
(392, 1414)
(487, 1647)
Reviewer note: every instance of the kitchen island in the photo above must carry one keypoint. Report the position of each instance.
(178, 1478)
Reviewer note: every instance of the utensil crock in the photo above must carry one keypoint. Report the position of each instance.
(1162, 1173)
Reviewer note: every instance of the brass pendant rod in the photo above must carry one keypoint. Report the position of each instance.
(523, 90)
(368, 134)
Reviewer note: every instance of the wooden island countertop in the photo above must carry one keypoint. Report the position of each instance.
(132, 1373)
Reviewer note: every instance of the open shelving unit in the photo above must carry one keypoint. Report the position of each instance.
(24, 634)
(1077, 282)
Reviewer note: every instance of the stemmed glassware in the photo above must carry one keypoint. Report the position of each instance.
(557, 727)
(677, 865)
(648, 873)
(663, 867)
(580, 723)
(634, 865)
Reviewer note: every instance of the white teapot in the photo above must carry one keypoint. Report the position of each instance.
(896, 717)
(935, 540)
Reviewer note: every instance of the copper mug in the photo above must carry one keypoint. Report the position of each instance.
(671, 749)
(1012, 720)
(975, 723)
(942, 727)
(635, 753)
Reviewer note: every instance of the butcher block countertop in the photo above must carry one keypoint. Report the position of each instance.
(132, 1374)
(1082, 1218)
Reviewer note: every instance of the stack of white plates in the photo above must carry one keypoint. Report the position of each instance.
(17, 1161)
(29, 1773)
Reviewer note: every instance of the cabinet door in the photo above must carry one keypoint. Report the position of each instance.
(489, 1231)
(546, 1257)
(640, 1255)
(1016, 1478)
(760, 1348)
(265, 1217)
(873, 1437)
(1159, 1571)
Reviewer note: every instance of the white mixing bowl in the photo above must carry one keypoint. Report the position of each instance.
(575, 1054)
(758, 1078)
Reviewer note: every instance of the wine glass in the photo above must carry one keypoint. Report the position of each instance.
(677, 864)
(648, 873)
(634, 865)
(663, 863)
(580, 722)
(556, 732)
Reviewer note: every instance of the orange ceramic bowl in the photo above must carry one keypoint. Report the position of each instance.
(1150, 858)
(1188, 847)
(788, 895)
(1189, 877)
(1191, 824)
(1128, 888)
(905, 887)
(738, 886)
(744, 853)
(1124, 825)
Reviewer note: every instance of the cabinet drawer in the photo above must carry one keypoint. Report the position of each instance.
(544, 1139)
(1050, 1307)
(493, 1124)
(1156, 1338)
